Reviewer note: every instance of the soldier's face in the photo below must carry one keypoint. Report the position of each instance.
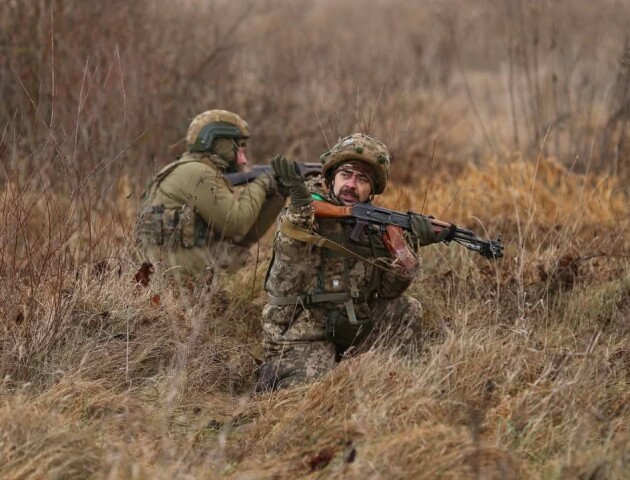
(233, 151)
(352, 184)
(241, 154)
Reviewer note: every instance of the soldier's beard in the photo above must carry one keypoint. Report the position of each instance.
(238, 162)
(232, 168)
(351, 196)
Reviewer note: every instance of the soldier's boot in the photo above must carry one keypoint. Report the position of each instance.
(269, 377)
(296, 362)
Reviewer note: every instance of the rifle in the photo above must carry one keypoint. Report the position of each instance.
(239, 178)
(365, 214)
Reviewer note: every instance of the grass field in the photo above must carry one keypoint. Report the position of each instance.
(503, 117)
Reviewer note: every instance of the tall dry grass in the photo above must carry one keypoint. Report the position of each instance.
(503, 117)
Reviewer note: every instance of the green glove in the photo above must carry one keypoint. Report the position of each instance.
(288, 175)
(425, 233)
(273, 189)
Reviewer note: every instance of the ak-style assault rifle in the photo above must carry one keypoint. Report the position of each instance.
(239, 178)
(365, 214)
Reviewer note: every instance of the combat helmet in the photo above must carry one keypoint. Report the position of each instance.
(359, 146)
(212, 124)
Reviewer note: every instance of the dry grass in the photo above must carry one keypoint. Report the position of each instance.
(518, 127)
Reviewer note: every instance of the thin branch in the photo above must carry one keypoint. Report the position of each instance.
(426, 192)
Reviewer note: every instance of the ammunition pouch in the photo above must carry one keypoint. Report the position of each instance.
(173, 228)
(342, 328)
(341, 331)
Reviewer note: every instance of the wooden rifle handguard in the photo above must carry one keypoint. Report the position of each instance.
(393, 238)
(396, 244)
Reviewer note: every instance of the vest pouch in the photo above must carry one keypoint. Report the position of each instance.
(340, 331)
(187, 224)
(150, 226)
(170, 228)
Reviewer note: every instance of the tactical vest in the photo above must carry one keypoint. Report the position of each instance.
(336, 270)
(343, 289)
(171, 227)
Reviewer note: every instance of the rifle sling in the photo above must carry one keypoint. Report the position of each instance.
(300, 234)
(309, 299)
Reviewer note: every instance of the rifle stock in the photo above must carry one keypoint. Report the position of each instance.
(328, 210)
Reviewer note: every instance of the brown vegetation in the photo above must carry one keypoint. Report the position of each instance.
(506, 117)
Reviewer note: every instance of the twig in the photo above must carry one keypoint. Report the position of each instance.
(426, 192)
(319, 122)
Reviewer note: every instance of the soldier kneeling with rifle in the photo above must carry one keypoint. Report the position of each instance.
(329, 286)
(192, 224)
(340, 265)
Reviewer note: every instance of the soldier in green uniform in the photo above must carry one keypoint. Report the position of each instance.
(193, 223)
(321, 300)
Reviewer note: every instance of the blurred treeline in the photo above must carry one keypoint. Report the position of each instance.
(89, 87)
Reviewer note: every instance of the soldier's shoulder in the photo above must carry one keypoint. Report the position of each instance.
(198, 160)
(188, 159)
(317, 185)
(192, 163)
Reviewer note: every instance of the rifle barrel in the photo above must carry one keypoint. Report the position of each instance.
(239, 178)
(467, 238)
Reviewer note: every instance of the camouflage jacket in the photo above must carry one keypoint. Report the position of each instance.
(313, 273)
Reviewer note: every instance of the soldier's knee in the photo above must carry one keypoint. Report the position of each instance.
(403, 308)
(413, 307)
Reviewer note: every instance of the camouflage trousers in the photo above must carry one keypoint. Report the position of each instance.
(299, 345)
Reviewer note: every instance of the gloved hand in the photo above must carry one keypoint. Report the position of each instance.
(273, 188)
(287, 174)
(425, 234)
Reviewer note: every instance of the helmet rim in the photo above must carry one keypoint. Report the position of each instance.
(216, 116)
(363, 148)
